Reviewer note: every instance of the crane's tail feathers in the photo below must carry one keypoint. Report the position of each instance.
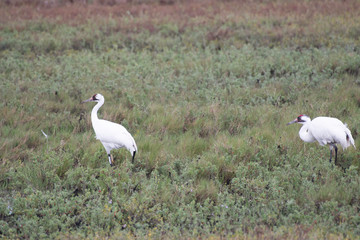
(349, 138)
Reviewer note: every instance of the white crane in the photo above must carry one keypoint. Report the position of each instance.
(325, 130)
(111, 135)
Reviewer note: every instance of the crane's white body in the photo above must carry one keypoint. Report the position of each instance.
(111, 135)
(326, 131)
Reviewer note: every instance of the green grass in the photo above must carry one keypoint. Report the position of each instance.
(207, 100)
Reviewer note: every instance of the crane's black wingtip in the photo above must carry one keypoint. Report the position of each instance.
(133, 157)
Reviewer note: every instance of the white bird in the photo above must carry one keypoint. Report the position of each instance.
(111, 135)
(325, 130)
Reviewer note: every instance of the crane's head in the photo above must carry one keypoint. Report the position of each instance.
(96, 98)
(300, 119)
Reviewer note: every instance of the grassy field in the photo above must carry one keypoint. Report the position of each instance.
(206, 89)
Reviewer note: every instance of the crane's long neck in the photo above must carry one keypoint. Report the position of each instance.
(94, 117)
(305, 135)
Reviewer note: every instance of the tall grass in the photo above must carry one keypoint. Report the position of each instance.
(206, 97)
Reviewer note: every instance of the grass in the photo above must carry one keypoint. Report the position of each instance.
(206, 92)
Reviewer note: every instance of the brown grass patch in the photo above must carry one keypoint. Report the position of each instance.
(77, 12)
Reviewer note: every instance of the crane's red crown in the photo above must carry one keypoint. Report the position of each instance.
(299, 118)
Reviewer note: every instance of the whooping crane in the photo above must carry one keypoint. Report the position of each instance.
(325, 130)
(111, 135)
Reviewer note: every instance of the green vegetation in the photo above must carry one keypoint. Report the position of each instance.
(206, 93)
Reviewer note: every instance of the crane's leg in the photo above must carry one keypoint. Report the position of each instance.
(111, 160)
(331, 147)
(336, 149)
(335, 154)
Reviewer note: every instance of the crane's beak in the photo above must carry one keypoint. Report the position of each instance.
(294, 121)
(88, 100)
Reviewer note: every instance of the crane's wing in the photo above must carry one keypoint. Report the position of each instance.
(328, 130)
(114, 135)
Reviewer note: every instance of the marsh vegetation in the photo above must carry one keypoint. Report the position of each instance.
(206, 89)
